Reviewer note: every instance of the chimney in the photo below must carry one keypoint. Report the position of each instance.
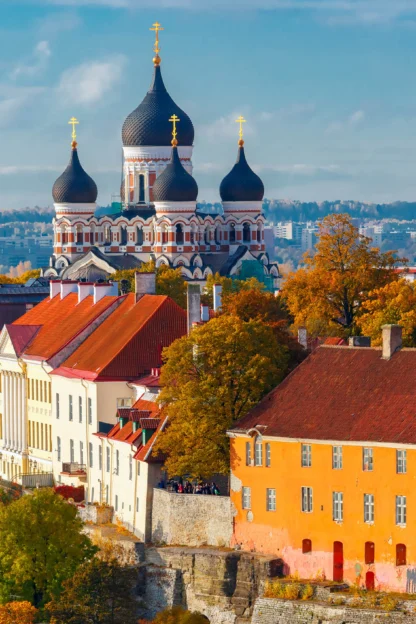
(68, 286)
(204, 313)
(303, 337)
(392, 340)
(105, 289)
(193, 304)
(216, 291)
(84, 290)
(54, 288)
(359, 341)
(145, 284)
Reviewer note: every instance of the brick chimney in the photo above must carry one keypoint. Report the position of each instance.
(193, 304)
(359, 341)
(145, 284)
(392, 340)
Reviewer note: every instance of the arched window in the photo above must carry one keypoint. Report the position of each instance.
(141, 189)
(79, 235)
(123, 235)
(139, 236)
(193, 236)
(64, 235)
(246, 233)
(179, 234)
(232, 233)
(207, 236)
(164, 234)
(400, 554)
(259, 237)
(369, 553)
(218, 235)
(92, 234)
(107, 235)
(306, 546)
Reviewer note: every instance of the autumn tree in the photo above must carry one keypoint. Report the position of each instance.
(395, 303)
(229, 285)
(100, 592)
(329, 291)
(41, 545)
(18, 613)
(210, 379)
(169, 281)
(178, 615)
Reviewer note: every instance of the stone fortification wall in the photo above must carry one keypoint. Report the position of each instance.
(191, 519)
(270, 611)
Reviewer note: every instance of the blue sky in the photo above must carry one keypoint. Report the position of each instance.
(327, 87)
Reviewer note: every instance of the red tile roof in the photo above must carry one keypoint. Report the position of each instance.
(343, 394)
(21, 336)
(60, 320)
(335, 341)
(126, 433)
(129, 342)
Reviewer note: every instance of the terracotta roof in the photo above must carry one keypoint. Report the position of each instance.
(61, 320)
(129, 342)
(126, 433)
(149, 423)
(343, 394)
(335, 341)
(21, 336)
(149, 381)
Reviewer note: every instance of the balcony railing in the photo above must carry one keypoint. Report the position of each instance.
(74, 468)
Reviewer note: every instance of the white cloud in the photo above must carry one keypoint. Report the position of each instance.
(13, 99)
(17, 169)
(353, 120)
(226, 127)
(356, 118)
(87, 83)
(35, 64)
(57, 22)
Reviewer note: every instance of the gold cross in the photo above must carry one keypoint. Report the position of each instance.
(174, 119)
(156, 29)
(240, 121)
(73, 122)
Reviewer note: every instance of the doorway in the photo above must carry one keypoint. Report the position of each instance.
(338, 573)
(369, 581)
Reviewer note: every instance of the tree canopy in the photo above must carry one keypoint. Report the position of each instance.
(229, 286)
(168, 281)
(210, 379)
(18, 613)
(41, 545)
(328, 293)
(178, 615)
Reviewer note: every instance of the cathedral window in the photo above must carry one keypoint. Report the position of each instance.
(232, 233)
(107, 235)
(139, 236)
(164, 235)
(64, 235)
(207, 236)
(141, 189)
(218, 235)
(259, 234)
(246, 233)
(79, 235)
(123, 235)
(179, 234)
(193, 235)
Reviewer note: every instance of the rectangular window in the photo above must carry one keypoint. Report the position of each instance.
(117, 462)
(401, 461)
(337, 457)
(81, 452)
(71, 452)
(33, 389)
(248, 453)
(307, 499)
(337, 506)
(58, 448)
(91, 453)
(106, 494)
(130, 468)
(137, 504)
(258, 453)
(37, 435)
(306, 456)
(107, 466)
(368, 461)
(71, 412)
(50, 438)
(57, 404)
(116, 503)
(268, 455)
(271, 499)
(80, 409)
(89, 411)
(246, 498)
(401, 510)
(100, 457)
(368, 507)
(41, 390)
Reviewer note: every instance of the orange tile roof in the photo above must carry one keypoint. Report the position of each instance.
(61, 320)
(126, 433)
(129, 342)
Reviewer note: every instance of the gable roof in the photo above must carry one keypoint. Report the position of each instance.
(342, 394)
(21, 336)
(126, 433)
(129, 342)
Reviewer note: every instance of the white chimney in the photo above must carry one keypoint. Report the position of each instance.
(193, 305)
(303, 337)
(54, 288)
(145, 284)
(204, 313)
(84, 290)
(68, 286)
(392, 340)
(217, 291)
(106, 289)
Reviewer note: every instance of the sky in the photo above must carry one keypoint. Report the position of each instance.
(328, 89)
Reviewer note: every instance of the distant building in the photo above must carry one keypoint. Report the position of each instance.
(290, 230)
(309, 238)
(17, 299)
(372, 232)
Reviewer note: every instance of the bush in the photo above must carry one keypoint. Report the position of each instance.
(308, 592)
(69, 491)
(178, 615)
(388, 603)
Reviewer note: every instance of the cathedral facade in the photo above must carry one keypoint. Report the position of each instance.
(159, 219)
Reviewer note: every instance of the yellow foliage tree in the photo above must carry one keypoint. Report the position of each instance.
(229, 286)
(395, 303)
(327, 294)
(168, 281)
(18, 613)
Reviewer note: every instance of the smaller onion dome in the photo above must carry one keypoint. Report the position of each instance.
(241, 184)
(175, 184)
(74, 186)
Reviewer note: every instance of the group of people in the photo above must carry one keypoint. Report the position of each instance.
(187, 487)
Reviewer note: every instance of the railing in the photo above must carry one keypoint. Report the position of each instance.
(74, 468)
(36, 480)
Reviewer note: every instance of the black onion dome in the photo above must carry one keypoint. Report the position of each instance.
(74, 186)
(241, 184)
(149, 123)
(175, 183)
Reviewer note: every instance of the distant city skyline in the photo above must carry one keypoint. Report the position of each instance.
(326, 87)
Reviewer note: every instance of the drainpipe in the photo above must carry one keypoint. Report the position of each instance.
(25, 451)
(87, 446)
(135, 492)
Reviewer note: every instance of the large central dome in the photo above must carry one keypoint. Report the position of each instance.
(148, 125)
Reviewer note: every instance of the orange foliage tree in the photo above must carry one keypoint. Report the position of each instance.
(18, 613)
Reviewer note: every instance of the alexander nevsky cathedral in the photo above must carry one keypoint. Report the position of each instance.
(159, 218)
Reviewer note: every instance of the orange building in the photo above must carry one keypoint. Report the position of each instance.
(323, 470)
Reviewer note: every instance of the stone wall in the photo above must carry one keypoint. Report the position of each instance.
(270, 611)
(191, 519)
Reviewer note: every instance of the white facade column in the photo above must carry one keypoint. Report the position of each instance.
(18, 413)
(11, 410)
(14, 412)
(5, 409)
(24, 417)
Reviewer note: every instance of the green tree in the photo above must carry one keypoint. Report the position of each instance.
(210, 379)
(41, 545)
(329, 291)
(100, 592)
